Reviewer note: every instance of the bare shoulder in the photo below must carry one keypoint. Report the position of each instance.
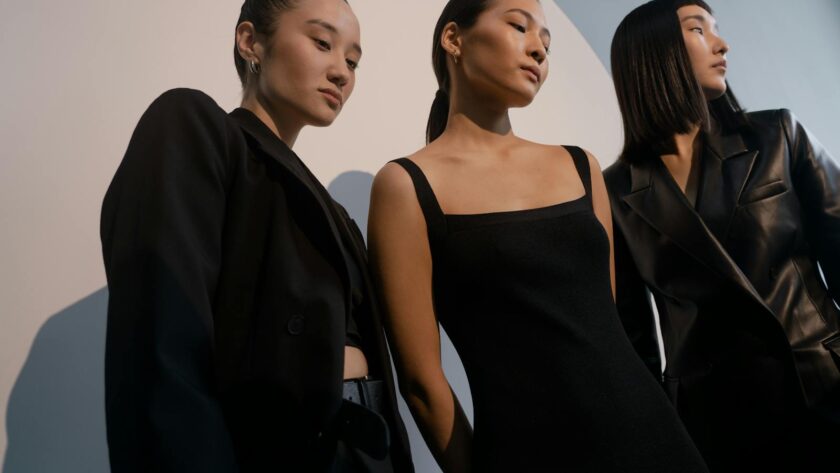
(392, 182)
(558, 150)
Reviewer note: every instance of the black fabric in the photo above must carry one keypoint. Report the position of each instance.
(354, 271)
(228, 300)
(525, 297)
(747, 322)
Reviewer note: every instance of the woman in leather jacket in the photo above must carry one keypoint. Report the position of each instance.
(731, 221)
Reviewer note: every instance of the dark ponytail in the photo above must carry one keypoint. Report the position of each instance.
(438, 116)
(463, 13)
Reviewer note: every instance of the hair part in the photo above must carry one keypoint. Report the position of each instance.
(463, 13)
(658, 93)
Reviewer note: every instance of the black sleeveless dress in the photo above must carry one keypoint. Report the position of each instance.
(525, 297)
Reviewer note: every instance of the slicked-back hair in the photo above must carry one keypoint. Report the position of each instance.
(263, 14)
(657, 92)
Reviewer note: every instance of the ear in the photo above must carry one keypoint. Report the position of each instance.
(450, 40)
(246, 42)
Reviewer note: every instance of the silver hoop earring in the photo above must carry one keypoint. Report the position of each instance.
(254, 67)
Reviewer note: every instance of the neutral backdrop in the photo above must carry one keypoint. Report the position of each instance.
(77, 76)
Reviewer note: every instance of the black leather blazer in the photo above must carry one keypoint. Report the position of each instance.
(736, 279)
(228, 295)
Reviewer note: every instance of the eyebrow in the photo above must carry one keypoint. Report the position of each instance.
(332, 29)
(530, 17)
(700, 18)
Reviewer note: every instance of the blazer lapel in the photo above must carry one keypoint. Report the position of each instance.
(291, 165)
(656, 198)
(727, 164)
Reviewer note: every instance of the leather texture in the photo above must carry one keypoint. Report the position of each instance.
(749, 325)
(768, 213)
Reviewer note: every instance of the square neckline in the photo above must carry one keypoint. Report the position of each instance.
(437, 221)
(584, 180)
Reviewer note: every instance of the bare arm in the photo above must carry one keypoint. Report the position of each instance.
(601, 204)
(402, 265)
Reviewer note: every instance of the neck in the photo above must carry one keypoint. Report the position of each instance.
(687, 143)
(285, 129)
(476, 122)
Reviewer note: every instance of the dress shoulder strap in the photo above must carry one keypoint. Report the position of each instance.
(435, 218)
(582, 165)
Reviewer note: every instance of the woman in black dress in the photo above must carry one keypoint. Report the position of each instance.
(507, 243)
(724, 216)
(240, 309)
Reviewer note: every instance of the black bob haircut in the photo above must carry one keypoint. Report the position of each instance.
(657, 91)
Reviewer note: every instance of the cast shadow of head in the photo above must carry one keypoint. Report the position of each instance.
(55, 420)
(352, 190)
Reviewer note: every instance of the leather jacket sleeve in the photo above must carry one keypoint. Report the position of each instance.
(816, 178)
(633, 305)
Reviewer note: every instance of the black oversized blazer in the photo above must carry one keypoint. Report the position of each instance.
(228, 288)
(735, 282)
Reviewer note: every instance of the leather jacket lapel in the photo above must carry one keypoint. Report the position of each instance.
(726, 166)
(657, 199)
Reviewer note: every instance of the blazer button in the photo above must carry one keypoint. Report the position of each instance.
(296, 325)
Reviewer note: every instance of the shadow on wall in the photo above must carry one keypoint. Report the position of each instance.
(352, 190)
(55, 420)
(56, 415)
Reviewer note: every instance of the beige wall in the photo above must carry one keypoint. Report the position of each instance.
(76, 77)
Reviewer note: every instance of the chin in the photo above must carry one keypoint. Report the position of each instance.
(522, 98)
(714, 91)
(323, 119)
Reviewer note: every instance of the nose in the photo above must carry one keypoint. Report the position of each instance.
(338, 73)
(722, 46)
(537, 51)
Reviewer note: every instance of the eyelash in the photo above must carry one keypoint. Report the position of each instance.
(323, 44)
(326, 46)
(522, 29)
(698, 29)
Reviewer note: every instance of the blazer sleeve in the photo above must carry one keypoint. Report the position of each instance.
(161, 232)
(633, 304)
(816, 178)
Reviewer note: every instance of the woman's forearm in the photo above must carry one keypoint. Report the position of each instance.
(442, 422)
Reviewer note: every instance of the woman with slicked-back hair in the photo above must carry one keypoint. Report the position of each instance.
(724, 217)
(243, 333)
(507, 243)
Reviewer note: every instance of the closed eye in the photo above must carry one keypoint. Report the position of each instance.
(517, 27)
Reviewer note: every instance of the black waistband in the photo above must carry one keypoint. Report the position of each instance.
(361, 420)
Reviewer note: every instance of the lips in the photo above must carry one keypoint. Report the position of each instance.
(720, 65)
(334, 95)
(533, 73)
